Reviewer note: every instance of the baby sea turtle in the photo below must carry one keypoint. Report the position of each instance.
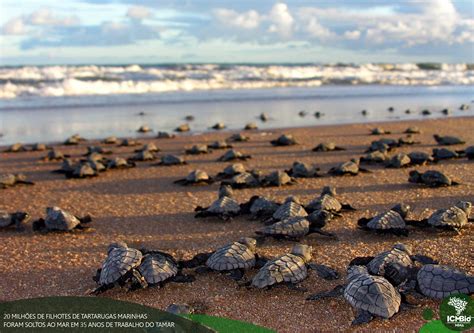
(284, 140)
(318, 114)
(189, 117)
(59, 220)
(242, 180)
(231, 170)
(225, 191)
(110, 140)
(444, 154)
(303, 170)
(438, 281)
(17, 219)
(220, 144)
(196, 177)
(375, 157)
(39, 147)
(239, 137)
(303, 113)
(431, 178)
(398, 161)
(10, 180)
(347, 168)
(379, 131)
(291, 207)
(453, 218)
(97, 150)
(420, 158)
(218, 126)
(119, 267)
(164, 135)
(327, 146)
(143, 155)
(400, 256)
(448, 140)
(391, 221)
(16, 148)
(327, 201)
(120, 163)
(290, 269)
(413, 130)
(469, 152)
(151, 147)
(129, 143)
(198, 149)
(464, 107)
(172, 160)
(54, 155)
(251, 126)
(446, 111)
(224, 208)
(264, 117)
(384, 144)
(144, 129)
(232, 259)
(259, 207)
(183, 128)
(277, 178)
(73, 140)
(407, 141)
(80, 170)
(232, 155)
(426, 112)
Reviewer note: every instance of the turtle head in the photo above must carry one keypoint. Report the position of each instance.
(116, 245)
(437, 137)
(225, 190)
(355, 271)
(20, 218)
(330, 190)
(251, 243)
(404, 248)
(465, 206)
(319, 218)
(402, 209)
(414, 176)
(303, 251)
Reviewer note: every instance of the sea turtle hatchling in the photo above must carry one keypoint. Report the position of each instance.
(399, 255)
(144, 129)
(54, 155)
(231, 170)
(379, 131)
(469, 152)
(198, 149)
(398, 161)
(172, 160)
(347, 168)
(303, 170)
(408, 140)
(10, 180)
(413, 130)
(73, 140)
(218, 126)
(80, 170)
(224, 208)
(238, 137)
(129, 143)
(39, 147)
(264, 117)
(143, 155)
(17, 219)
(118, 268)
(291, 207)
(149, 147)
(110, 140)
(327, 201)
(291, 269)
(384, 144)
(284, 140)
(97, 150)
(277, 178)
(183, 128)
(259, 207)
(376, 156)
(16, 148)
(233, 155)
(219, 144)
(327, 146)
(444, 154)
(431, 178)
(420, 158)
(232, 259)
(448, 140)
(120, 163)
(452, 218)
(391, 221)
(60, 220)
(242, 180)
(196, 177)
(250, 126)
(164, 135)
(438, 281)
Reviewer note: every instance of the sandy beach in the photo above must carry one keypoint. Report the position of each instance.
(143, 207)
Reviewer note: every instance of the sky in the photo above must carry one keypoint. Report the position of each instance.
(258, 31)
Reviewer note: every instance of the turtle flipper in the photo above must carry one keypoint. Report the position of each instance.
(182, 278)
(347, 206)
(85, 219)
(324, 233)
(420, 223)
(425, 260)
(363, 317)
(39, 225)
(362, 222)
(337, 291)
(236, 274)
(25, 182)
(295, 287)
(339, 148)
(324, 271)
(361, 261)
(260, 261)
(182, 181)
(198, 260)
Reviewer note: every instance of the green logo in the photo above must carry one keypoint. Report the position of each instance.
(457, 312)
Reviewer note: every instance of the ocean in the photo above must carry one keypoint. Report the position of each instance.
(50, 103)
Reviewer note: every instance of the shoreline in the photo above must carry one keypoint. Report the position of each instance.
(142, 206)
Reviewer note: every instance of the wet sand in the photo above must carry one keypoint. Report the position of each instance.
(143, 207)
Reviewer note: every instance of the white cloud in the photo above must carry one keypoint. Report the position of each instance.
(316, 30)
(14, 26)
(46, 17)
(281, 19)
(138, 12)
(352, 35)
(247, 20)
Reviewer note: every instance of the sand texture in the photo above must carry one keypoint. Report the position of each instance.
(143, 207)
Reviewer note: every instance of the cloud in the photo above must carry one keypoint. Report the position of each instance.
(138, 12)
(282, 20)
(247, 20)
(46, 17)
(352, 35)
(14, 26)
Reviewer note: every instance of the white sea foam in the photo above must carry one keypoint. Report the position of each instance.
(24, 81)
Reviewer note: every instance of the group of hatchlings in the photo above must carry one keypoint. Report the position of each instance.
(377, 286)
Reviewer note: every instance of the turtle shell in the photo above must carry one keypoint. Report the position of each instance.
(231, 155)
(296, 226)
(448, 140)
(434, 178)
(373, 294)
(444, 154)
(349, 167)
(183, 128)
(54, 155)
(224, 205)
(325, 146)
(302, 170)
(83, 170)
(219, 145)
(263, 206)
(164, 135)
(413, 130)
(398, 161)
(58, 219)
(17, 147)
(118, 163)
(197, 149)
(289, 209)
(150, 147)
(375, 157)
(239, 137)
(156, 268)
(284, 140)
(5, 219)
(245, 179)
(110, 140)
(129, 143)
(325, 202)
(377, 265)
(451, 217)
(287, 268)
(120, 260)
(232, 256)
(277, 178)
(419, 158)
(172, 160)
(251, 126)
(8, 179)
(387, 220)
(234, 169)
(439, 281)
(144, 155)
(197, 176)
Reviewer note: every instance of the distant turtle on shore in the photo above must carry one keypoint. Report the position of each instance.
(277, 178)
(379, 131)
(183, 128)
(143, 155)
(59, 220)
(16, 148)
(39, 147)
(238, 137)
(151, 147)
(242, 180)
(225, 208)
(327, 201)
(413, 130)
(219, 144)
(250, 126)
(448, 140)
(172, 160)
(17, 220)
(420, 158)
(398, 161)
(233, 155)
(196, 177)
(376, 156)
(347, 168)
(431, 178)
(129, 143)
(303, 170)
(327, 146)
(10, 180)
(444, 154)
(198, 150)
(144, 129)
(231, 170)
(264, 117)
(391, 221)
(232, 259)
(291, 207)
(120, 163)
(54, 155)
(164, 135)
(218, 126)
(97, 150)
(79, 170)
(408, 140)
(284, 140)
(74, 140)
(110, 140)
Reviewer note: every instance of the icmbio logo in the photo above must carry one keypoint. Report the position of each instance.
(457, 312)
